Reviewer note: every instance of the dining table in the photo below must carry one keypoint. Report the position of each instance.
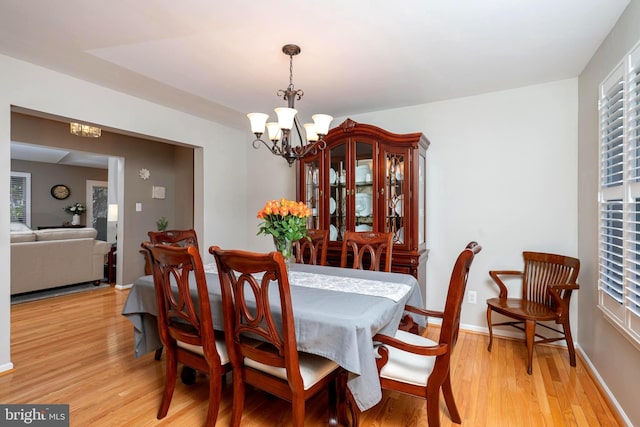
(336, 312)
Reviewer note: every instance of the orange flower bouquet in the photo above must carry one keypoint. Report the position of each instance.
(286, 221)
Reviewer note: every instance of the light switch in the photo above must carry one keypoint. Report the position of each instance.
(138, 207)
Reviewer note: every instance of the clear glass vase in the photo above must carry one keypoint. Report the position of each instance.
(285, 247)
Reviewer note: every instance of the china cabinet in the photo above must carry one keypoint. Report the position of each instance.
(369, 179)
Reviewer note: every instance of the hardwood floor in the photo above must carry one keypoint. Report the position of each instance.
(78, 349)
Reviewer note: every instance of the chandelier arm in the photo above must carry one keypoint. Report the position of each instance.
(273, 147)
(256, 143)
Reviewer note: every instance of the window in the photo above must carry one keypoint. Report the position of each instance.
(619, 198)
(20, 194)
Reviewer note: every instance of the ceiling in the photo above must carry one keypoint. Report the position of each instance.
(221, 60)
(37, 153)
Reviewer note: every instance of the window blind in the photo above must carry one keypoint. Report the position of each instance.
(20, 197)
(619, 198)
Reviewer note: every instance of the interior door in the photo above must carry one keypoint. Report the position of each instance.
(97, 207)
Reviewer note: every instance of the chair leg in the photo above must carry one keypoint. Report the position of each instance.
(447, 392)
(333, 402)
(433, 406)
(490, 328)
(342, 398)
(347, 404)
(297, 411)
(567, 332)
(215, 392)
(530, 333)
(238, 399)
(354, 410)
(158, 354)
(171, 374)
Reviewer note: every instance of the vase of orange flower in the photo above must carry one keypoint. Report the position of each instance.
(286, 221)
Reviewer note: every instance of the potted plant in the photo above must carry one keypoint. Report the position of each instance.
(75, 210)
(162, 224)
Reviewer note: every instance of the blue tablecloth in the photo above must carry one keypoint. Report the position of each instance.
(333, 324)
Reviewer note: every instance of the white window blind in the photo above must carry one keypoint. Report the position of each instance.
(20, 194)
(619, 199)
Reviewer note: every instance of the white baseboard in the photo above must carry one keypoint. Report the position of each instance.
(123, 287)
(603, 386)
(6, 367)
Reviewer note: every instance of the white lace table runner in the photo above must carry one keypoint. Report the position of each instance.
(393, 291)
(376, 288)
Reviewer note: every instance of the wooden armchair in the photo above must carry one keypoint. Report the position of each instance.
(186, 327)
(274, 365)
(418, 366)
(367, 248)
(307, 251)
(547, 283)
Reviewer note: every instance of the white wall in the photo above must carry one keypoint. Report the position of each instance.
(222, 192)
(502, 170)
(618, 369)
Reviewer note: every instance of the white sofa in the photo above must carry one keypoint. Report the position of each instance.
(55, 257)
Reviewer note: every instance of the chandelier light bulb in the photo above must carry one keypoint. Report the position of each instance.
(258, 121)
(285, 117)
(274, 131)
(322, 123)
(310, 130)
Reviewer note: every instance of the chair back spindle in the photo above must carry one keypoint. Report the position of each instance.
(367, 248)
(312, 250)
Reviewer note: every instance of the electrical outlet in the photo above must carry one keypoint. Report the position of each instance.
(472, 297)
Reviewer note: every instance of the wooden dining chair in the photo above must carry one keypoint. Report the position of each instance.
(366, 249)
(274, 364)
(174, 238)
(547, 283)
(418, 366)
(185, 326)
(307, 250)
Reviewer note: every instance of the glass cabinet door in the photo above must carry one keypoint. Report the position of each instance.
(396, 196)
(312, 191)
(363, 189)
(337, 200)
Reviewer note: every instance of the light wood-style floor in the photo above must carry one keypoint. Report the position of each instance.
(78, 350)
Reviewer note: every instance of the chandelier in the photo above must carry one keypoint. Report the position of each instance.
(309, 136)
(87, 131)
